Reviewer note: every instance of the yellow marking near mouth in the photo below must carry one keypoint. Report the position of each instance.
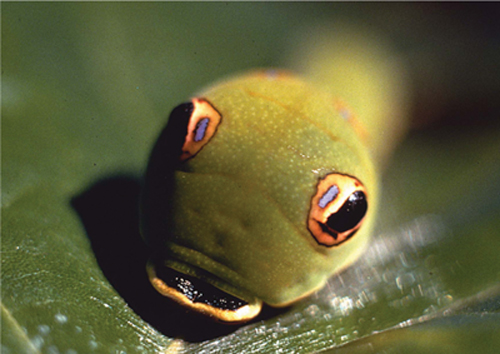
(241, 314)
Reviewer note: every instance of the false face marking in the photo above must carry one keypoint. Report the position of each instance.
(329, 196)
(202, 125)
(337, 209)
(200, 296)
(201, 129)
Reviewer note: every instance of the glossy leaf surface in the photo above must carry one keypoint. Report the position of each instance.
(85, 90)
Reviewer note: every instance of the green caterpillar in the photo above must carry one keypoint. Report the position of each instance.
(257, 191)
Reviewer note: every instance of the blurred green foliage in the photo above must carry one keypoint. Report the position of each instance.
(86, 88)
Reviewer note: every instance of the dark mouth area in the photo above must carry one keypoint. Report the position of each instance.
(197, 290)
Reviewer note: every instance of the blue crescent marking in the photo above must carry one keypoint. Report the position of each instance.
(330, 195)
(201, 129)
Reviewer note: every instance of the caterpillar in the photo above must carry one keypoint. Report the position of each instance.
(258, 190)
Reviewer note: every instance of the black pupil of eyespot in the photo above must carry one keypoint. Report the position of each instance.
(197, 291)
(169, 145)
(351, 213)
(178, 122)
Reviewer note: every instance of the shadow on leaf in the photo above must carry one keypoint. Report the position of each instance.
(109, 213)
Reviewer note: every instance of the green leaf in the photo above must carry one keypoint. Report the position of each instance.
(86, 88)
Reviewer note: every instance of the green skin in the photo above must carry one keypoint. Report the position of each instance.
(237, 216)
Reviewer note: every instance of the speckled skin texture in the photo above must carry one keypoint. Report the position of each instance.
(236, 213)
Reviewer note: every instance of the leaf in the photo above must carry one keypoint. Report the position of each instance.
(86, 87)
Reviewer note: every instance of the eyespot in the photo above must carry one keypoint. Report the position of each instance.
(337, 209)
(190, 127)
(201, 127)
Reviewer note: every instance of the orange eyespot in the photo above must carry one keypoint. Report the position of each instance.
(202, 126)
(337, 209)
